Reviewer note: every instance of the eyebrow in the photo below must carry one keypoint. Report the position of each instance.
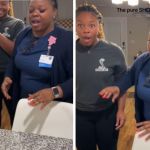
(91, 21)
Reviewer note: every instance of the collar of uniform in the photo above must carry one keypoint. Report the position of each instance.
(82, 48)
(5, 18)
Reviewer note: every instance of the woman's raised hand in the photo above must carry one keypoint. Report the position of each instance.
(111, 91)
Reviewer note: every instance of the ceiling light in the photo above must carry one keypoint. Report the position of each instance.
(117, 1)
(133, 2)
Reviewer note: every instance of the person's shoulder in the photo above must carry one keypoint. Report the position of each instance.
(115, 46)
(143, 56)
(24, 32)
(63, 35)
(140, 60)
(64, 31)
(26, 29)
(11, 18)
(111, 46)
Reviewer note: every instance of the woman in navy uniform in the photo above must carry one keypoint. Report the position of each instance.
(41, 68)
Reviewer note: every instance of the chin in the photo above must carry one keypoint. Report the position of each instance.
(87, 44)
(2, 16)
(36, 29)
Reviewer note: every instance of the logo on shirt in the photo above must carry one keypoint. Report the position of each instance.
(6, 34)
(101, 67)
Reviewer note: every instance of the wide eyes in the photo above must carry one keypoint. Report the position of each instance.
(80, 25)
(90, 26)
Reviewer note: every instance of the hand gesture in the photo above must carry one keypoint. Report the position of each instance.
(144, 127)
(107, 92)
(6, 86)
(43, 97)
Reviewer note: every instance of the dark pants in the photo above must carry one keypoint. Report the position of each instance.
(96, 128)
(1, 95)
(7, 102)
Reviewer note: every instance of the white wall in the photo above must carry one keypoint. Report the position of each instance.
(116, 31)
(138, 26)
(20, 8)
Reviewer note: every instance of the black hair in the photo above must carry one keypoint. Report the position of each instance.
(89, 8)
(54, 3)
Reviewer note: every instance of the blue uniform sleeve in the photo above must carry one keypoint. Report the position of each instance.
(67, 86)
(11, 70)
(130, 76)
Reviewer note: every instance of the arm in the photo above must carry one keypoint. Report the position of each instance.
(120, 117)
(11, 70)
(120, 70)
(130, 77)
(9, 75)
(125, 82)
(121, 103)
(67, 86)
(6, 44)
(12, 73)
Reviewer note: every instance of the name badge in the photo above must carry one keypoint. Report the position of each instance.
(46, 61)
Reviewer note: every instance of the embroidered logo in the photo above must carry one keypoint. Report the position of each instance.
(101, 67)
(6, 34)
